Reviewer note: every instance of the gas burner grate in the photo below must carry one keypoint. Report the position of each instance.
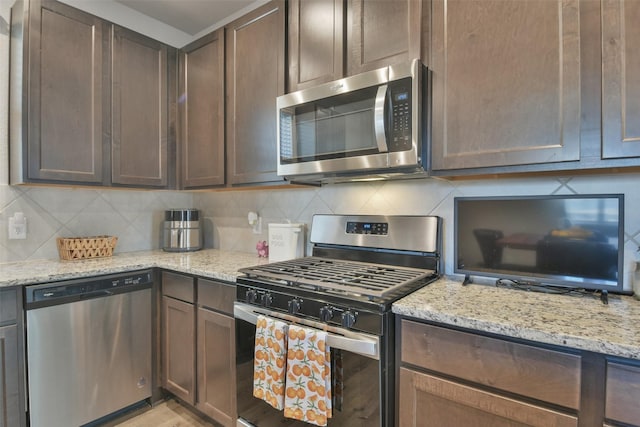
(373, 280)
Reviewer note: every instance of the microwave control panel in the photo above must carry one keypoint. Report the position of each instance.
(400, 115)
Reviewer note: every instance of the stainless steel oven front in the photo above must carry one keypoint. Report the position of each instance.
(360, 390)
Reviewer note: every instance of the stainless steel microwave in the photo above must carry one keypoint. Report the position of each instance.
(370, 126)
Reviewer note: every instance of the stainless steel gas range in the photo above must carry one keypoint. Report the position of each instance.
(359, 266)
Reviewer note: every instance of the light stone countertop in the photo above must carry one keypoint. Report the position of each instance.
(581, 322)
(211, 263)
(576, 322)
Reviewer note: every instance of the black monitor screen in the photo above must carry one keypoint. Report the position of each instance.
(572, 240)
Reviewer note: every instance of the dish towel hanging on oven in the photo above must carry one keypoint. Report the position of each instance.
(269, 361)
(308, 385)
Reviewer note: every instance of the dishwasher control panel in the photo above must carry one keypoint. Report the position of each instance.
(87, 287)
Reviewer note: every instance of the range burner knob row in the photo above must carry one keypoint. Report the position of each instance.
(293, 306)
(326, 313)
(348, 319)
(267, 300)
(251, 296)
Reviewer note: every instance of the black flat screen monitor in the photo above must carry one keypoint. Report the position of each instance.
(574, 241)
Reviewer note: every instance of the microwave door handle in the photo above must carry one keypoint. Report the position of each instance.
(379, 119)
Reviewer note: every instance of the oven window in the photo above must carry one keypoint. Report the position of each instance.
(358, 405)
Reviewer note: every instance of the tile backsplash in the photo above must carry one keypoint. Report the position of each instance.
(136, 216)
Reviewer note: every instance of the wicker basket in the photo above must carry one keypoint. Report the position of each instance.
(71, 248)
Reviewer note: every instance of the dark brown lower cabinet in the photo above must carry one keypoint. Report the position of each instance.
(623, 394)
(216, 366)
(11, 367)
(178, 350)
(426, 401)
(199, 344)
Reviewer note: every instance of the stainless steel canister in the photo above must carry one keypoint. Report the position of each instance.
(181, 231)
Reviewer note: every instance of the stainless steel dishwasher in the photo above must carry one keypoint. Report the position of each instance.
(88, 347)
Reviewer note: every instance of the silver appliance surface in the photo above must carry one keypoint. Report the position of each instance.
(181, 230)
(377, 122)
(368, 237)
(88, 358)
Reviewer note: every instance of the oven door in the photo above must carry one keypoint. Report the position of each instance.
(356, 389)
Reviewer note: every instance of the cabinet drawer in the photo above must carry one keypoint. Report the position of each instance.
(216, 295)
(8, 306)
(178, 286)
(547, 375)
(623, 393)
(429, 401)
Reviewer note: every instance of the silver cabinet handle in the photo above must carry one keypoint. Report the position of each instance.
(378, 119)
(354, 342)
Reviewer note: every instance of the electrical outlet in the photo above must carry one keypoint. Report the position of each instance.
(17, 226)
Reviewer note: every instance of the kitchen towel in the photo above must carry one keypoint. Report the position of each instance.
(269, 361)
(308, 384)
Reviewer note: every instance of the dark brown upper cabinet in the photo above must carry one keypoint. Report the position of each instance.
(620, 79)
(201, 111)
(56, 94)
(139, 146)
(316, 42)
(384, 32)
(506, 83)
(255, 77)
(89, 100)
(331, 39)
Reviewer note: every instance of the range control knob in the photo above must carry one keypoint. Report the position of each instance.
(326, 313)
(267, 300)
(251, 296)
(293, 306)
(348, 319)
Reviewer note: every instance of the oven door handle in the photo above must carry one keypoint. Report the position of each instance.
(354, 342)
(379, 122)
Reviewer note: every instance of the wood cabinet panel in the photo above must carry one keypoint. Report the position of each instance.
(620, 79)
(178, 286)
(8, 306)
(216, 295)
(62, 123)
(9, 380)
(623, 393)
(254, 78)
(506, 83)
(216, 366)
(535, 372)
(201, 105)
(427, 401)
(178, 358)
(316, 42)
(382, 32)
(139, 110)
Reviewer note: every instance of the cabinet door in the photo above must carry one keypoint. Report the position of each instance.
(63, 126)
(139, 110)
(427, 401)
(178, 361)
(216, 366)
(623, 394)
(255, 77)
(506, 83)
(316, 42)
(9, 369)
(201, 106)
(382, 32)
(620, 79)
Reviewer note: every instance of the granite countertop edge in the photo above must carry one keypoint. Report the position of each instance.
(574, 322)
